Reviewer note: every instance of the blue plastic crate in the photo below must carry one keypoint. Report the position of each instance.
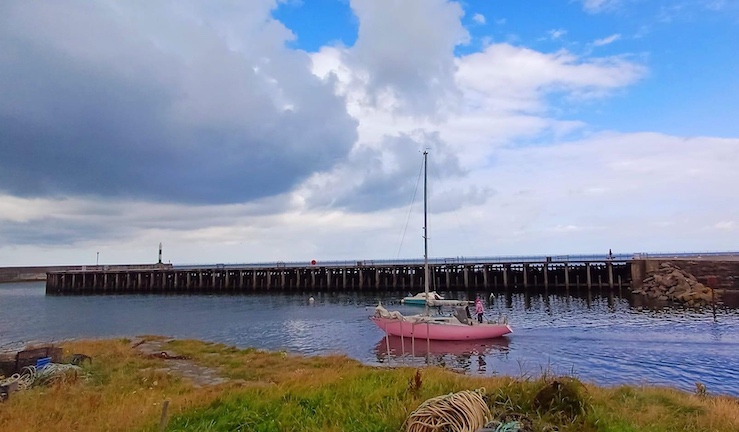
(42, 362)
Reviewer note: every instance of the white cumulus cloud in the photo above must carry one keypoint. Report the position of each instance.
(510, 174)
(607, 40)
(595, 6)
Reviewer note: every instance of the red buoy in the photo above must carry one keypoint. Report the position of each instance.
(313, 262)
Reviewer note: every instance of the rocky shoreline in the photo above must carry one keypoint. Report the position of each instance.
(670, 283)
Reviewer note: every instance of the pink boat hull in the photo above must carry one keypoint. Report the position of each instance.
(440, 331)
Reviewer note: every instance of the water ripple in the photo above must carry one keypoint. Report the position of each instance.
(609, 340)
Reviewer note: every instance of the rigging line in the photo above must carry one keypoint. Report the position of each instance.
(410, 209)
(456, 215)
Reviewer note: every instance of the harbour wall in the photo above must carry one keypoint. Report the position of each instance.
(720, 273)
(359, 276)
(38, 273)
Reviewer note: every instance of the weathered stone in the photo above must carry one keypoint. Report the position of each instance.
(706, 297)
(671, 283)
(682, 286)
(199, 376)
(136, 342)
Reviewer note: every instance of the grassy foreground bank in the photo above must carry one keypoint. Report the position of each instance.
(124, 390)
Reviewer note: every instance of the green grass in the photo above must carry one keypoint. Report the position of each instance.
(274, 391)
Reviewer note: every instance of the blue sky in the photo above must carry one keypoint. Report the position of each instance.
(292, 130)
(690, 48)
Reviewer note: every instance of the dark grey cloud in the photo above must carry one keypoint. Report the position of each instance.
(386, 176)
(53, 231)
(160, 103)
(65, 222)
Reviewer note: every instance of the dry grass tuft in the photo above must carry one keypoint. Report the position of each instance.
(119, 391)
(273, 391)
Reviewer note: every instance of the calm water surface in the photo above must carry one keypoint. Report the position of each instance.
(602, 339)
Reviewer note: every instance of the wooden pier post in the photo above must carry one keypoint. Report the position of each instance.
(609, 266)
(588, 277)
(485, 276)
(505, 274)
(567, 275)
(525, 275)
(546, 275)
(466, 273)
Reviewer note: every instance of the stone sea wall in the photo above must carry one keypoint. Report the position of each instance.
(670, 282)
(29, 274)
(721, 274)
(22, 274)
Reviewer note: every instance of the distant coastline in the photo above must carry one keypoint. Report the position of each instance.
(38, 273)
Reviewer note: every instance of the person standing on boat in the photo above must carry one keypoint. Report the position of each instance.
(478, 309)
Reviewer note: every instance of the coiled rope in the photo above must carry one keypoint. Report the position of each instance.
(49, 374)
(465, 411)
(24, 379)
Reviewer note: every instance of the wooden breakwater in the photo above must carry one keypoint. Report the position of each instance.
(361, 276)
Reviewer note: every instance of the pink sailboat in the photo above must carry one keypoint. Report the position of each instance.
(424, 326)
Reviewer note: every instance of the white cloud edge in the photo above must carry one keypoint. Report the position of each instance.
(607, 40)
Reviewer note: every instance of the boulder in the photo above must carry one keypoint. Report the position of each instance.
(671, 283)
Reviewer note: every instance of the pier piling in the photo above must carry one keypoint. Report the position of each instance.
(446, 276)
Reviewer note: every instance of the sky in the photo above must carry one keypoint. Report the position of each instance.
(293, 130)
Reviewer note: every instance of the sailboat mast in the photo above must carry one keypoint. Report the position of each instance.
(425, 226)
